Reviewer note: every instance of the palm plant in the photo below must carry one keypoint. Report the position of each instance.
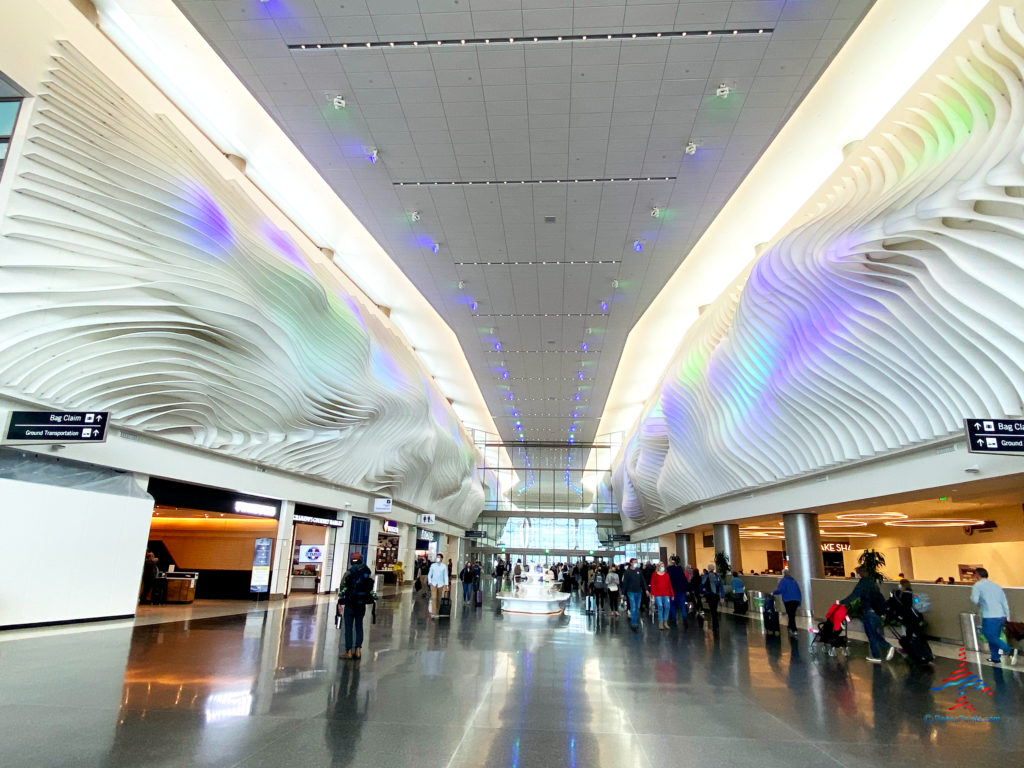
(872, 561)
(722, 564)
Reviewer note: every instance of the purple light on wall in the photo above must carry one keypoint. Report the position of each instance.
(604, 306)
(212, 221)
(284, 245)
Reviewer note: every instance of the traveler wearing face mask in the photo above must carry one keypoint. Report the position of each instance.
(661, 591)
(437, 580)
(634, 587)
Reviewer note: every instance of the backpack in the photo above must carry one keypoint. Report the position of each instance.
(598, 580)
(357, 588)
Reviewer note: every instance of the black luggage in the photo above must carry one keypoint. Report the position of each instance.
(445, 611)
(917, 649)
(739, 604)
(479, 598)
(771, 617)
(158, 595)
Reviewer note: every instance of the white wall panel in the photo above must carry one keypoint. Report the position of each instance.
(877, 325)
(138, 279)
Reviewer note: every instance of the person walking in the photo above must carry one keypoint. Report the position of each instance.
(663, 594)
(612, 582)
(634, 587)
(995, 612)
(355, 594)
(466, 577)
(437, 580)
(677, 576)
(599, 587)
(714, 591)
(150, 571)
(872, 607)
(789, 592)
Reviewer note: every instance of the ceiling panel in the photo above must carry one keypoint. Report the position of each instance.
(526, 112)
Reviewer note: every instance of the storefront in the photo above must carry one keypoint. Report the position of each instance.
(315, 535)
(204, 540)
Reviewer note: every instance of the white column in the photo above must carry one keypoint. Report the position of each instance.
(282, 568)
(407, 549)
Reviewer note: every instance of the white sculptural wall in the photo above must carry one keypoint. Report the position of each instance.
(137, 279)
(879, 324)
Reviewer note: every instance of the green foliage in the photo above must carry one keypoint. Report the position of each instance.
(722, 564)
(872, 562)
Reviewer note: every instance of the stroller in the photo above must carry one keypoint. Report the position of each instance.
(902, 610)
(831, 634)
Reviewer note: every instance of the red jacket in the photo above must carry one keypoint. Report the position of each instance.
(661, 585)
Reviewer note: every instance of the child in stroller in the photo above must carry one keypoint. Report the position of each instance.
(831, 633)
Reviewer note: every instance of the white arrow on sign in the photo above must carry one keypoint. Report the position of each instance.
(981, 442)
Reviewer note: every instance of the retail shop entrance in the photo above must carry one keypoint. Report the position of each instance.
(316, 556)
(204, 540)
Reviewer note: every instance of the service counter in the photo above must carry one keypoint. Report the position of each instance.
(176, 587)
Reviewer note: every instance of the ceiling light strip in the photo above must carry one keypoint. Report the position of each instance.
(545, 314)
(533, 263)
(541, 351)
(527, 39)
(486, 182)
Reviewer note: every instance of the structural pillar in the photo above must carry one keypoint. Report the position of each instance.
(686, 548)
(803, 548)
(727, 539)
(905, 561)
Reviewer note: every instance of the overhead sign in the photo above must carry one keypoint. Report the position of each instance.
(619, 537)
(28, 427)
(995, 436)
(311, 554)
(476, 534)
(834, 546)
(252, 508)
(426, 519)
(382, 506)
(260, 579)
(318, 521)
(390, 526)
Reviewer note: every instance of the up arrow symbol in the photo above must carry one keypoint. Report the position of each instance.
(977, 425)
(980, 441)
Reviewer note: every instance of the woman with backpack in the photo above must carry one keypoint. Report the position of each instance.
(598, 588)
(713, 590)
(612, 582)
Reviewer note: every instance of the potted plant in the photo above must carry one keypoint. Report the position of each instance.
(872, 561)
(722, 564)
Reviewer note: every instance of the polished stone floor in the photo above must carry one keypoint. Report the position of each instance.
(259, 687)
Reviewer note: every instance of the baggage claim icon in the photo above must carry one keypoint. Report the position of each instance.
(962, 679)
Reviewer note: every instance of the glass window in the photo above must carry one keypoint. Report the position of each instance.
(8, 117)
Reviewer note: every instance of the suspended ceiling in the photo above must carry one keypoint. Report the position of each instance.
(535, 112)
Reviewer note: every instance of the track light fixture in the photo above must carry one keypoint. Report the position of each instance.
(655, 212)
(339, 102)
(373, 154)
(414, 215)
(691, 148)
(723, 91)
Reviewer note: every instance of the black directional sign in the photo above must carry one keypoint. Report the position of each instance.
(476, 534)
(27, 427)
(995, 435)
(619, 537)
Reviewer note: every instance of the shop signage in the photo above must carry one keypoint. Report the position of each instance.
(835, 546)
(995, 436)
(427, 519)
(318, 521)
(390, 526)
(382, 506)
(476, 534)
(28, 427)
(619, 537)
(252, 508)
(313, 553)
(260, 579)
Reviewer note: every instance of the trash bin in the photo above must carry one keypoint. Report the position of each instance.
(756, 600)
(969, 630)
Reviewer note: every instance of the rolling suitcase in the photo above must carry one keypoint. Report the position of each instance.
(917, 649)
(771, 617)
(479, 598)
(739, 605)
(445, 609)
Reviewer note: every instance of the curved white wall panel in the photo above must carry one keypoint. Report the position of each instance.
(894, 312)
(136, 278)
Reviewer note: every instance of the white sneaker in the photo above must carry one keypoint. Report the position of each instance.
(1013, 658)
(891, 653)
(874, 660)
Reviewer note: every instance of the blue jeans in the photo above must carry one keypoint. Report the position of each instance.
(467, 590)
(634, 607)
(873, 629)
(677, 610)
(661, 604)
(991, 628)
(353, 617)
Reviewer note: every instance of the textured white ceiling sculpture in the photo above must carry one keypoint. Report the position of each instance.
(137, 279)
(893, 313)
